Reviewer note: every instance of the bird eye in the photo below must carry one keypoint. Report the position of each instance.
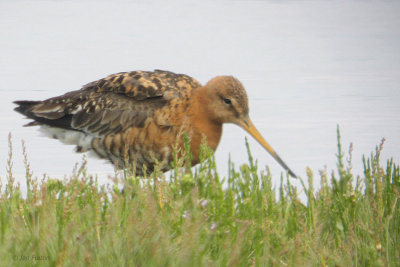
(227, 101)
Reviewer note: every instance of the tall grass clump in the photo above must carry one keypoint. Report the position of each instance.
(199, 218)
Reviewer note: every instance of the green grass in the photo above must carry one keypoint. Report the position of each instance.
(202, 219)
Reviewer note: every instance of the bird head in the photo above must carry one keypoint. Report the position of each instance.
(228, 103)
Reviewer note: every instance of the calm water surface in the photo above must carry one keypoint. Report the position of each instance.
(307, 66)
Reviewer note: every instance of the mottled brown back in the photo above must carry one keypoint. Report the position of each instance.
(110, 105)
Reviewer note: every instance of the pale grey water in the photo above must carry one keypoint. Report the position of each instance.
(307, 66)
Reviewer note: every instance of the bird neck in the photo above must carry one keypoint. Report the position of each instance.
(203, 121)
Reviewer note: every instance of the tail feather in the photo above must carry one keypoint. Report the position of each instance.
(25, 107)
(58, 127)
(28, 108)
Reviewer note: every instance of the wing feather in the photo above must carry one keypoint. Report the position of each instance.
(112, 104)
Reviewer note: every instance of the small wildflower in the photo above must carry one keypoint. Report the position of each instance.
(204, 203)
(185, 214)
(213, 226)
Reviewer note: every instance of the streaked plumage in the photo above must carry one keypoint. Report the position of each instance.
(141, 116)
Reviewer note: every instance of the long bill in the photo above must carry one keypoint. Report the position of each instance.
(251, 129)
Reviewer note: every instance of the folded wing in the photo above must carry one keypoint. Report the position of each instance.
(109, 105)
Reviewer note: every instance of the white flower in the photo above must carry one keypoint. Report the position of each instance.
(185, 214)
(213, 226)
